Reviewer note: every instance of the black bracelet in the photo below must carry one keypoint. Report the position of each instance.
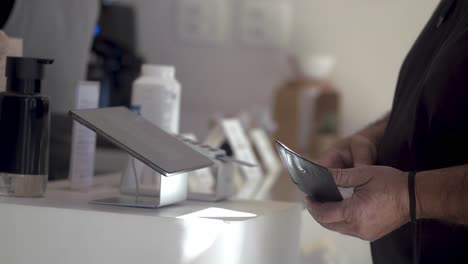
(412, 209)
(412, 196)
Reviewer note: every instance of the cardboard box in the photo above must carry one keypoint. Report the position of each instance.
(305, 112)
(8, 47)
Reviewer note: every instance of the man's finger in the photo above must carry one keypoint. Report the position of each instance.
(362, 154)
(333, 159)
(341, 227)
(354, 177)
(326, 213)
(362, 159)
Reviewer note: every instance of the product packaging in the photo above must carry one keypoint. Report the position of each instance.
(307, 115)
(8, 47)
(83, 146)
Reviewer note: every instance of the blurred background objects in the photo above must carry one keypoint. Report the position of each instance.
(305, 71)
(231, 55)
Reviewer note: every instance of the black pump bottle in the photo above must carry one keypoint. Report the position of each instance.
(24, 129)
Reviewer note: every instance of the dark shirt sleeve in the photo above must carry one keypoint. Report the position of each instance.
(446, 99)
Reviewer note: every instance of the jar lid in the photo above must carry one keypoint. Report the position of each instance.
(158, 70)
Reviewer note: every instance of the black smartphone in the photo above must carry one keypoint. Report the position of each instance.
(312, 179)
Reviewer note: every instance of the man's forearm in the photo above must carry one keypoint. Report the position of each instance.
(376, 130)
(443, 194)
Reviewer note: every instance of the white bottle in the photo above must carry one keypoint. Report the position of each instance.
(83, 147)
(156, 96)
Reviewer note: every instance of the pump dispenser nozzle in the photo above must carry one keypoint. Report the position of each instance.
(24, 75)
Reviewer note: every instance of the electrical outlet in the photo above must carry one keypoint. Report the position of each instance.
(266, 23)
(202, 21)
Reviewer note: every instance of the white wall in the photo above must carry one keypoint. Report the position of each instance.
(215, 78)
(370, 39)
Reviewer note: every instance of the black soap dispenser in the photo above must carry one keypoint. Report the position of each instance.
(24, 129)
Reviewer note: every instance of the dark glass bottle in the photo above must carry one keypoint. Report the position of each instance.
(24, 129)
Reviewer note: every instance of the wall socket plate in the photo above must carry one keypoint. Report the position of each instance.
(203, 21)
(266, 22)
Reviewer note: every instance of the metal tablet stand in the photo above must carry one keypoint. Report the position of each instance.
(223, 176)
(224, 187)
(129, 200)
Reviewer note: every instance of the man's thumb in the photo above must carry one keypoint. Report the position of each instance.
(354, 177)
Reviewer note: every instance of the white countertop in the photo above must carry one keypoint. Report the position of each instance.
(63, 227)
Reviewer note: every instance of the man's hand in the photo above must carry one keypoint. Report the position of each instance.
(378, 206)
(350, 152)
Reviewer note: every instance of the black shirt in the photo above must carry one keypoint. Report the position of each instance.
(428, 129)
(5, 9)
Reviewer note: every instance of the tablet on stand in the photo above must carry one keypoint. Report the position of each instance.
(146, 142)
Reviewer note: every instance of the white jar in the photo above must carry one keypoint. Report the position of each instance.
(156, 96)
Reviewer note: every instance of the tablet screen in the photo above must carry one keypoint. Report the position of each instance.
(140, 138)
